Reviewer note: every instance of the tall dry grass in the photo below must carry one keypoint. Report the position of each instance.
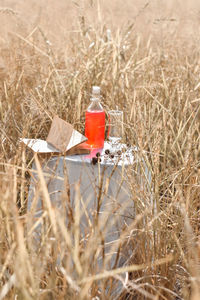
(145, 57)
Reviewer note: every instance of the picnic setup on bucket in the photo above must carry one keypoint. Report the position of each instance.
(101, 170)
(64, 140)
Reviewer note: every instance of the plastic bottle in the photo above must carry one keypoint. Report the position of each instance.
(95, 120)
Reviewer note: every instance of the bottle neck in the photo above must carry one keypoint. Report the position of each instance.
(95, 103)
(95, 98)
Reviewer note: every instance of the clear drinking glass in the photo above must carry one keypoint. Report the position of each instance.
(115, 129)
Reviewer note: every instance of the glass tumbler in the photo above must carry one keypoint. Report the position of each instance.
(115, 129)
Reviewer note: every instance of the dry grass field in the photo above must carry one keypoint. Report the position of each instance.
(145, 55)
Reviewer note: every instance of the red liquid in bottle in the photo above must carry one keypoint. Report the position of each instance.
(95, 128)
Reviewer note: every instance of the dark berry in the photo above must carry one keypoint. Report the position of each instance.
(112, 156)
(94, 160)
(119, 152)
(98, 154)
(107, 151)
(99, 159)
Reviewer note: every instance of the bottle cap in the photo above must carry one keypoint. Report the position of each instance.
(96, 90)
